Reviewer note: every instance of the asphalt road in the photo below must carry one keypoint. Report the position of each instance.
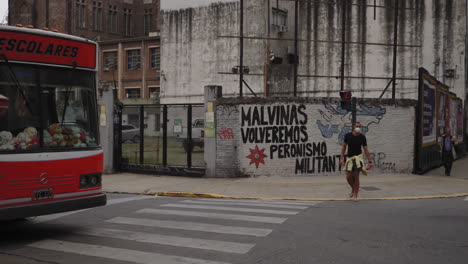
(164, 230)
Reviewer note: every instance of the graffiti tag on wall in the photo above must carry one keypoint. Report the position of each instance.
(380, 162)
(226, 133)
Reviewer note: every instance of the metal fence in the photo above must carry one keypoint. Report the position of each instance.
(160, 139)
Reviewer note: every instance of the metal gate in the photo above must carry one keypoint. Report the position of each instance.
(161, 139)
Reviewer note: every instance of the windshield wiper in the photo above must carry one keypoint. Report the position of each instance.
(67, 94)
(19, 87)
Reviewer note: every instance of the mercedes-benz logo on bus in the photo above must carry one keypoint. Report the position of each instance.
(43, 178)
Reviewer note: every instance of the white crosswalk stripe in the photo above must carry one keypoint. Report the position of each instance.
(296, 207)
(285, 202)
(46, 218)
(225, 208)
(261, 219)
(121, 254)
(466, 199)
(130, 199)
(216, 245)
(193, 226)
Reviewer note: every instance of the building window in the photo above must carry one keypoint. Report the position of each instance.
(133, 59)
(97, 16)
(128, 22)
(113, 19)
(155, 54)
(81, 13)
(132, 93)
(110, 61)
(154, 92)
(148, 21)
(280, 18)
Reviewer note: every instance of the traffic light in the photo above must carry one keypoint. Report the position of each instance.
(346, 100)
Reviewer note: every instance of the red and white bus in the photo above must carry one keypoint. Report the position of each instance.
(50, 157)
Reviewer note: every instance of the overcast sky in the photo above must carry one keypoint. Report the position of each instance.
(177, 4)
(4, 10)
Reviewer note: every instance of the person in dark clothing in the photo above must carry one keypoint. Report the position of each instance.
(447, 154)
(354, 142)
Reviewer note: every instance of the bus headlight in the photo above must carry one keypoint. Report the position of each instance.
(83, 181)
(94, 179)
(90, 181)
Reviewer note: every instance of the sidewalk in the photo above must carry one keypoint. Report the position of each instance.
(393, 186)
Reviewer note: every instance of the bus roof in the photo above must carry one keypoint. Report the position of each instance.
(37, 46)
(37, 31)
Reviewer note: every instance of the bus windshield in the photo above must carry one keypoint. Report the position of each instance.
(44, 108)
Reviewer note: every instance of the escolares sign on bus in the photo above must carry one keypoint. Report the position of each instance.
(29, 47)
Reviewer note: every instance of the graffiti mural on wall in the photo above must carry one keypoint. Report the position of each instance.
(257, 156)
(283, 128)
(336, 120)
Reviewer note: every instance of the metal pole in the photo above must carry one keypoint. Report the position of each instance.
(343, 41)
(241, 55)
(142, 135)
(250, 89)
(267, 63)
(385, 90)
(296, 49)
(118, 139)
(164, 136)
(353, 110)
(189, 136)
(395, 47)
(375, 9)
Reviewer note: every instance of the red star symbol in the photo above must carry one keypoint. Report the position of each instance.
(257, 156)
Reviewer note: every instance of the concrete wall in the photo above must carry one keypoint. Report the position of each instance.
(438, 26)
(193, 53)
(250, 143)
(106, 126)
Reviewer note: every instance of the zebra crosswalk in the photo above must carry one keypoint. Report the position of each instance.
(178, 232)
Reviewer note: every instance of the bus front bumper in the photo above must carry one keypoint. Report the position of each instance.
(54, 207)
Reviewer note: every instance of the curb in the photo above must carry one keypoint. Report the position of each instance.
(219, 196)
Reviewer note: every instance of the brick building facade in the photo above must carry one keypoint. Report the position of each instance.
(96, 20)
(132, 65)
(127, 32)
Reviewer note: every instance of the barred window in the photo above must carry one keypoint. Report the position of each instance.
(280, 17)
(155, 54)
(110, 61)
(154, 92)
(133, 59)
(132, 93)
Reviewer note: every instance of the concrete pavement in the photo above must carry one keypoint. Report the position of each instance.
(375, 186)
